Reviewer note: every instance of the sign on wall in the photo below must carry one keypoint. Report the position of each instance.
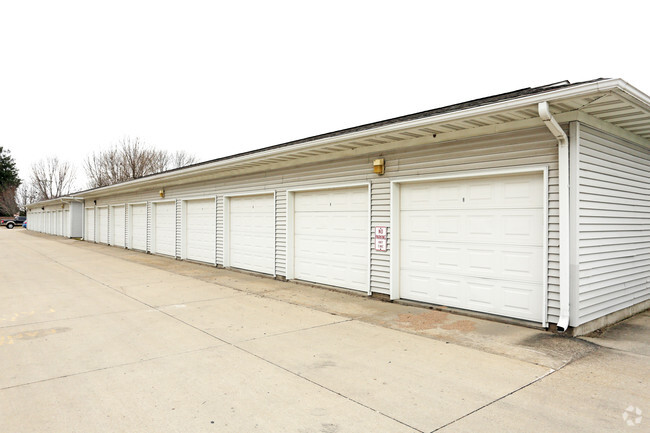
(380, 238)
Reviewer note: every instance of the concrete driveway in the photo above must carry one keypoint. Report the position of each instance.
(101, 339)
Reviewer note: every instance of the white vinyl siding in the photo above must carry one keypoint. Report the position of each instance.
(331, 237)
(163, 228)
(199, 234)
(251, 236)
(117, 231)
(475, 244)
(614, 224)
(137, 227)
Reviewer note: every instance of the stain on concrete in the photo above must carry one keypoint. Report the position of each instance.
(422, 321)
(560, 345)
(324, 364)
(30, 335)
(460, 325)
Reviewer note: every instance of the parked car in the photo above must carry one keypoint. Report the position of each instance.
(11, 223)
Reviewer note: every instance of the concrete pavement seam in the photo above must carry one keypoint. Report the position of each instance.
(69, 318)
(500, 398)
(109, 367)
(296, 330)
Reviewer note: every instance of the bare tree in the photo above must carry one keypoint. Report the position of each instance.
(130, 159)
(180, 158)
(26, 194)
(52, 177)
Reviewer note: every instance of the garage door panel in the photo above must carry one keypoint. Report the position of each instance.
(341, 273)
(337, 224)
(252, 233)
(343, 200)
(138, 227)
(513, 226)
(519, 263)
(474, 243)
(330, 250)
(512, 191)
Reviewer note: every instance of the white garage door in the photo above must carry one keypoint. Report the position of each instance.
(200, 230)
(52, 223)
(138, 227)
(252, 233)
(117, 225)
(475, 244)
(331, 235)
(66, 223)
(102, 224)
(90, 225)
(164, 228)
(57, 222)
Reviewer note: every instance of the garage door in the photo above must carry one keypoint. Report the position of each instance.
(90, 225)
(66, 223)
(102, 225)
(252, 233)
(200, 230)
(138, 227)
(163, 228)
(331, 235)
(59, 223)
(117, 225)
(475, 244)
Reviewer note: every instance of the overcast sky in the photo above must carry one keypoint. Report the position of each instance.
(217, 78)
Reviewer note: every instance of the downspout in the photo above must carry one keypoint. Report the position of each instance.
(563, 161)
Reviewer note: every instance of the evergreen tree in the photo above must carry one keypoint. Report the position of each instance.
(9, 181)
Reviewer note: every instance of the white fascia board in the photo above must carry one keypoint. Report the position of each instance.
(66, 199)
(524, 101)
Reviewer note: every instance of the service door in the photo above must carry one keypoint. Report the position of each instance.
(117, 226)
(200, 223)
(331, 235)
(90, 225)
(138, 227)
(164, 228)
(475, 244)
(102, 225)
(252, 233)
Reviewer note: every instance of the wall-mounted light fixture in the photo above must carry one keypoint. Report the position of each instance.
(162, 193)
(379, 166)
(62, 206)
(43, 208)
(95, 202)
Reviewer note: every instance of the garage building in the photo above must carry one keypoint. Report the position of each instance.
(532, 205)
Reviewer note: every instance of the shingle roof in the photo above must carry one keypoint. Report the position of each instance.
(414, 116)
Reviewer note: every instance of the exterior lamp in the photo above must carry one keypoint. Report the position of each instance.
(162, 193)
(379, 166)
